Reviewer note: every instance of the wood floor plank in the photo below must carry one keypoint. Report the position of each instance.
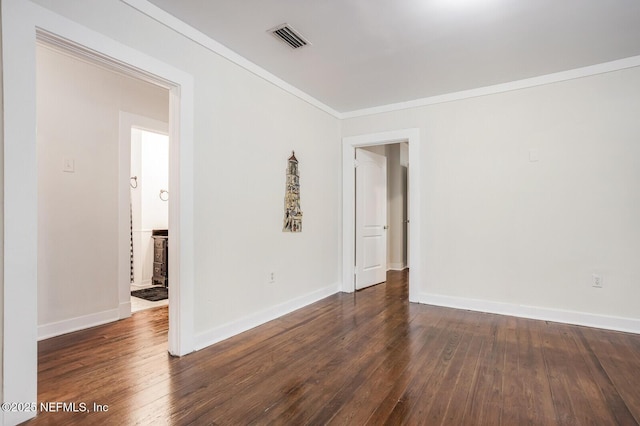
(485, 405)
(351, 359)
(390, 335)
(417, 394)
(321, 365)
(437, 390)
(357, 407)
(615, 364)
(527, 399)
(276, 369)
(387, 386)
(576, 395)
(396, 401)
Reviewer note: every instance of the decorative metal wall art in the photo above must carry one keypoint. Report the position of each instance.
(292, 212)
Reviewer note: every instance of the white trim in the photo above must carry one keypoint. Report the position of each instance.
(147, 68)
(396, 267)
(143, 284)
(248, 322)
(20, 20)
(181, 242)
(70, 325)
(607, 322)
(557, 77)
(124, 309)
(349, 144)
(159, 15)
(156, 13)
(181, 93)
(20, 334)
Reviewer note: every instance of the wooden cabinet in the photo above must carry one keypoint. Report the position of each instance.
(160, 257)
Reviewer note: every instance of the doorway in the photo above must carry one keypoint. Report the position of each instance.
(79, 109)
(22, 25)
(148, 186)
(381, 212)
(349, 145)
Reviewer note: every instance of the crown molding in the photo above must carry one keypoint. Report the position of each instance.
(175, 24)
(202, 39)
(631, 62)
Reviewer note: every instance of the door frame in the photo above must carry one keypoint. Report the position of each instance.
(21, 22)
(349, 145)
(129, 121)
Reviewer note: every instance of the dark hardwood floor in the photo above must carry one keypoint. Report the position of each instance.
(350, 359)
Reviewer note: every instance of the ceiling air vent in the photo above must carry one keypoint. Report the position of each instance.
(288, 35)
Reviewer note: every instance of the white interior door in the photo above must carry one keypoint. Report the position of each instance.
(371, 218)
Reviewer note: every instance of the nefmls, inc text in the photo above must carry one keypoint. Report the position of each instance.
(72, 407)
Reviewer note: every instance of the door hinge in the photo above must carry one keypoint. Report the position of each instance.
(356, 163)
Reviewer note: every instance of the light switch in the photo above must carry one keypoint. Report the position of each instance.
(533, 155)
(69, 165)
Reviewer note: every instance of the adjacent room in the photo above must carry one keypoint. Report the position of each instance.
(420, 212)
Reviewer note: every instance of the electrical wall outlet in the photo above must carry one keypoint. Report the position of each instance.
(272, 277)
(596, 280)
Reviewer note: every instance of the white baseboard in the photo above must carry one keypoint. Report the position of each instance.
(230, 329)
(142, 284)
(629, 325)
(124, 309)
(58, 328)
(396, 267)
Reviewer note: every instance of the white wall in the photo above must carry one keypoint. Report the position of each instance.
(78, 106)
(245, 129)
(396, 203)
(499, 229)
(154, 178)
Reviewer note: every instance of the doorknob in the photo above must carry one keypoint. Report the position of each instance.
(385, 227)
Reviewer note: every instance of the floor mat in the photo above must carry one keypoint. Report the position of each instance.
(152, 294)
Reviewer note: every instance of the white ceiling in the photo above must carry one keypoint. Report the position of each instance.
(367, 53)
